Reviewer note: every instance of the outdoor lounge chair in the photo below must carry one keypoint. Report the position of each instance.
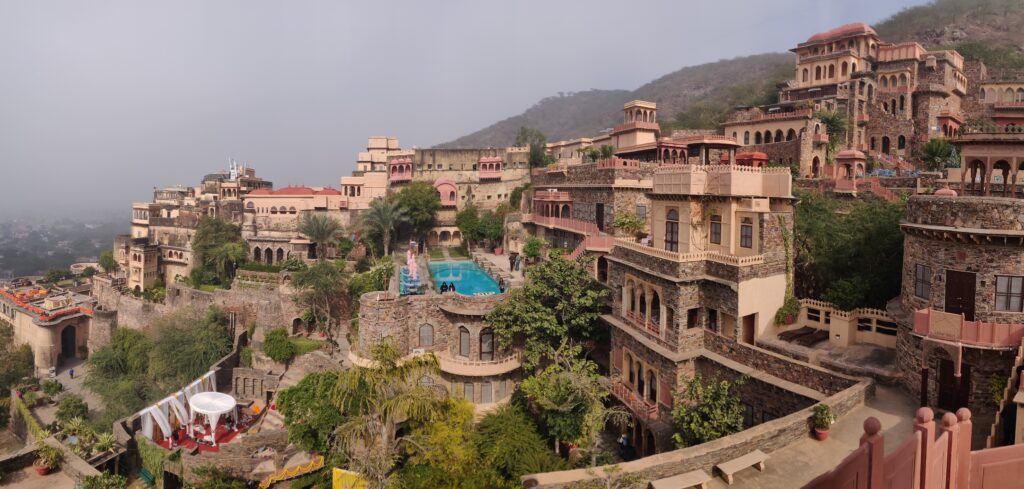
(812, 339)
(796, 333)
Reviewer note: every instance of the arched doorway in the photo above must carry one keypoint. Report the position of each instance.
(297, 325)
(815, 167)
(602, 269)
(885, 144)
(67, 343)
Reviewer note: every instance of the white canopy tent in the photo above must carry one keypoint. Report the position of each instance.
(159, 414)
(212, 405)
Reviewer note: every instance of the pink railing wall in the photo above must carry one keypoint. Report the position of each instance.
(971, 332)
(938, 455)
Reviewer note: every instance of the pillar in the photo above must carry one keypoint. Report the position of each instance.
(876, 452)
(951, 427)
(924, 423)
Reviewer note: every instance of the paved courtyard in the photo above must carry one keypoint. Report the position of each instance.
(798, 463)
(27, 478)
(47, 414)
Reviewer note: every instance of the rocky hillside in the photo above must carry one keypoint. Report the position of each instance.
(700, 96)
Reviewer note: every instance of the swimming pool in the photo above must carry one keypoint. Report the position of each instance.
(468, 277)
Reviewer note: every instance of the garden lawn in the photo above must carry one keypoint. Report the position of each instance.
(459, 252)
(436, 253)
(305, 345)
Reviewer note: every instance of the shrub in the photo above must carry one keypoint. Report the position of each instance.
(105, 480)
(49, 456)
(278, 347)
(245, 357)
(71, 407)
(52, 387)
(706, 411)
(823, 416)
(790, 308)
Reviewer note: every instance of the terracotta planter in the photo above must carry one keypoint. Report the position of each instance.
(821, 434)
(790, 319)
(41, 469)
(498, 251)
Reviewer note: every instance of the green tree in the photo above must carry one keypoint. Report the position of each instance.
(442, 453)
(278, 347)
(468, 222)
(611, 477)
(185, 344)
(309, 415)
(321, 229)
(939, 153)
(836, 125)
(211, 255)
(559, 300)
(538, 146)
(107, 262)
(492, 227)
(706, 411)
(72, 406)
(571, 399)
(508, 441)
(607, 151)
(55, 275)
(376, 278)
(594, 153)
(382, 218)
(377, 399)
(629, 223)
(16, 362)
(88, 272)
(533, 246)
(516, 196)
(320, 291)
(421, 203)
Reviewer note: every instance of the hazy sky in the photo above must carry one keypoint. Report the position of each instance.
(101, 100)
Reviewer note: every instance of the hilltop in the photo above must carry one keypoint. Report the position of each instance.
(700, 96)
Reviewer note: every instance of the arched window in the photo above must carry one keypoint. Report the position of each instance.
(903, 79)
(871, 93)
(291, 210)
(831, 71)
(280, 255)
(778, 135)
(885, 82)
(767, 137)
(981, 94)
(853, 68)
(872, 143)
(652, 387)
(892, 106)
(487, 345)
(844, 68)
(885, 144)
(655, 308)
(747, 233)
(463, 341)
(426, 335)
(256, 254)
(643, 305)
(672, 230)
(632, 371)
(273, 210)
(791, 135)
(1008, 95)
(639, 377)
(746, 137)
(803, 76)
(903, 102)
(451, 196)
(901, 142)
(817, 73)
(757, 137)
(250, 205)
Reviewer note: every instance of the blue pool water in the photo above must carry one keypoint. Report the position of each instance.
(468, 277)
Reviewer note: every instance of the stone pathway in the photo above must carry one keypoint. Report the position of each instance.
(75, 386)
(798, 463)
(27, 478)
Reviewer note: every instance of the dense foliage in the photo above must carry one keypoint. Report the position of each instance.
(516, 197)
(508, 442)
(849, 253)
(939, 153)
(55, 275)
(309, 415)
(538, 146)
(558, 301)
(107, 261)
(706, 411)
(105, 480)
(421, 203)
(218, 249)
(278, 347)
(320, 292)
(477, 226)
(628, 223)
(381, 220)
(16, 362)
(71, 406)
(321, 229)
(137, 368)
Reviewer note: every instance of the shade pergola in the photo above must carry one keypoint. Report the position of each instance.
(212, 405)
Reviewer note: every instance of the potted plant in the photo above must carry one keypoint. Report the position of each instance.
(823, 419)
(49, 458)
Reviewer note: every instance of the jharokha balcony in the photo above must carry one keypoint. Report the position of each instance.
(643, 321)
(726, 180)
(564, 223)
(954, 327)
(644, 409)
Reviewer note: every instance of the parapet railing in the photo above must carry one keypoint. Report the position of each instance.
(644, 409)
(954, 327)
(696, 256)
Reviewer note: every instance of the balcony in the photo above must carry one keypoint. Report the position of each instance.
(723, 180)
(457, 365)
(643, 322)
(697, 256)
(564, 223)
(553, 196)
(489, 174)
(863, 118)
(953, 327)
(643, 408)
(401, 177)
(820, 138)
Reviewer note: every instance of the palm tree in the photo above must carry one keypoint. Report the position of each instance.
(320, 229)
(226, 256)
(382, 217)
(376, 399)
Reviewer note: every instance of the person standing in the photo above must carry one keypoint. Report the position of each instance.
(72, 372)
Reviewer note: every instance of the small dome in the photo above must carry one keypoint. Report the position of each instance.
(945, 192)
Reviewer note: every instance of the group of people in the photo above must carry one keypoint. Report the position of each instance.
(515, 260)
(447, 287)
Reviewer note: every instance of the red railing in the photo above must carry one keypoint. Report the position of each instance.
(401, 177)
(576, 225)
(490, 174)
(613, 162)
(644, 409)
(953, 327)
(553, 196)
(592, 242)
(642, 322)
(819, 138)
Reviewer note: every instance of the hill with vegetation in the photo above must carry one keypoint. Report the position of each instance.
(701, 96)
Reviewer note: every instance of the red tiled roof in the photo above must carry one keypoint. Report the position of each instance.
(260, 191)
(843, 30)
